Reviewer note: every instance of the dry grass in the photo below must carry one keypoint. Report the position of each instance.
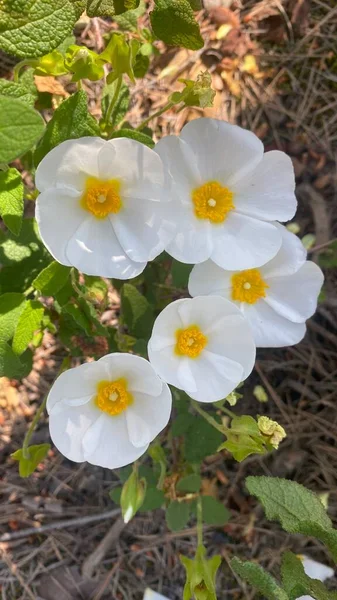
(290, 102)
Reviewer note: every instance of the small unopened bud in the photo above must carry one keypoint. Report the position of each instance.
(272, 430)
(133, 494)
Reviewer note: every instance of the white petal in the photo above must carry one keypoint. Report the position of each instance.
(166, 325)
(193, 241)
(165, 362)
(70, 163)
(207, 312)
(95, 250)
(316, 570)
(270, 329)
(223, 152)
(150, 595)
(108, 445)
(69, 426)
(148, 416)
(179, 162)
(245, 243)
(59, 215)
(138, 167)
(185, 376)
(208, 279)
(232, 338)
(295, 296)
(143, 229)
(215, 377)
(140, 375)
(76, 386)
(269, 192)
(290, 257)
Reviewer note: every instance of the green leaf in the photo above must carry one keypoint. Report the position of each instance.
(173, 22)
(181, 424)
(141, 66)
(20, 128)
(10, 364)
(327, 536)
(34, 28)
(288, 502)
(84, 63)
(296, 583)
(11, 199)
(137, 312)
(17, 90)
(154, 499)
(244, 438)
(196, 93)
(133, 134)
(200, 575)
(177, 515)
(180, 273)
(201, 440)
(29, 322)
(115, 495)
(121, 106)
(120, 53)
(213, 511)
(36, 454)
(128, 20)
(52, 279)
(11, 307)
(190, 483)
(71, 120)
(258, 578)
(109, 8)
(96, 288)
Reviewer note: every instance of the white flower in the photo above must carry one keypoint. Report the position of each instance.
(151, 595)
(276, 299)
(315, 570)
(102, 207)
(227, 192)
(107, 412)
(203, 346)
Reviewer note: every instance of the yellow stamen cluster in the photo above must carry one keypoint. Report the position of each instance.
(102, 197)
(190, 341)
(212, 201)
(113, 397)
(248, 286)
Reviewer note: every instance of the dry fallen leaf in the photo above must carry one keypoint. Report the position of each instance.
(50, 84)
(223, 15)
(67, 583)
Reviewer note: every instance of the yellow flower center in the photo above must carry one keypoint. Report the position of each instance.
(190, 341)
(248, 286)
(113, 397)
(212, 201)
(102, 197)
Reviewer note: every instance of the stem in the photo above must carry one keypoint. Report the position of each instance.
(199, 521)
(156, 114)
(227, 412)
(162, 476)
(114, 99)
(32, 427)
(28, 62)
(207, 417)
(28, 291)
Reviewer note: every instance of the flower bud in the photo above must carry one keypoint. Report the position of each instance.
(200, 575)
(272, 430)
(133, 494)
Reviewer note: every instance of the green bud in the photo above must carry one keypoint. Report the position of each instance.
(133, 494)
(271, 430)
(51, 64)
(84, 63)
(260, 393)
(200, 575)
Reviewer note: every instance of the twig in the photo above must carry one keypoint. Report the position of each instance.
(16, 535)
(96, 557)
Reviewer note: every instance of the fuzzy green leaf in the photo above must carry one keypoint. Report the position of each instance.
(297, 583)
(71, 120)
(20, 128)
(137, 312)
(134, 135)
(177, 515)
(36, 454)
(109, 8)
(259, 579)
(213, 511)
(11, 307)
(34, 28)
(18, 90)
(11, 199)
(11, 365)
(29, 322)
(201, 440)
(128, 20)
(52, 279)
(173, 22)
(190, 483)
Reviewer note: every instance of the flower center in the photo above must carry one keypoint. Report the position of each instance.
(190, 341)
(248, 286)
(212, 201)
(113, 397)
(102, 197)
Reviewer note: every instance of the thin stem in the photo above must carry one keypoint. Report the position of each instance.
(227, 411)
(207, 417)
(32, 428)
(162, 475)
(28, 62)
(156, 114)
(114, 99)
(322, 246)
(199, 521)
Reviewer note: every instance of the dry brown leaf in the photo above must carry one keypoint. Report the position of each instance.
(67, 583)
(223, 15)
(300, 17)
(209, 487)
(9, 395)
(51, 85)
(236, 42)
(233, 86)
